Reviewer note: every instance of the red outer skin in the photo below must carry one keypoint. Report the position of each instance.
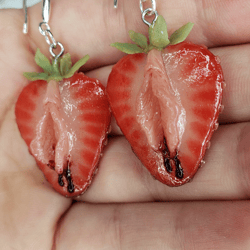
(27, 105)
(120, 90)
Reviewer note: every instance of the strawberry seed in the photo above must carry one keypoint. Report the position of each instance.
(179, 170)
(167, 165)
(71, 187)
(60, 180)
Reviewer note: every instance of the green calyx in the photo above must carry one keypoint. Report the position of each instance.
(57, 70)
(158, 38)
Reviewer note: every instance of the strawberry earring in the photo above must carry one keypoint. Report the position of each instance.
(63, 116)
(166, 97)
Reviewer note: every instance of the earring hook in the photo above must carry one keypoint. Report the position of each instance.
(25, 25)
(115, 3)
(46, 10)
(45, 14)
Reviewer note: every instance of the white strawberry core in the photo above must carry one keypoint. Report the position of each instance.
(159, 107)
(51, 130)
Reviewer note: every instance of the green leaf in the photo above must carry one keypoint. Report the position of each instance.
(59, 69)
(158, 34)
(139, 39)
(43, 62)
(55, 78)
(65, 64)
(55, 67)
(33, 76)
(76, 66)
(127, 48)
(181, 34)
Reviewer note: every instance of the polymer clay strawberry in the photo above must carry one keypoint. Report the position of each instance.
(64, 118)
(166, 98)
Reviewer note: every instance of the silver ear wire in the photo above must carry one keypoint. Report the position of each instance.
(25, 25)
(145, 12)
(46, 10)
(44, 29)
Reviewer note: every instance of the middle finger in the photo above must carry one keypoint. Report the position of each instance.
(224, 176)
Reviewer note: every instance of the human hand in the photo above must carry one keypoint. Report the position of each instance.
(120, 209)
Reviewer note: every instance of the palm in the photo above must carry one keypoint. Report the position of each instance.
(30, 209)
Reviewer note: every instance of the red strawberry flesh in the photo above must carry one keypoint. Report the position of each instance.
(198, 78)
(159, 106)
(52, 130)
(66, 129)
(167, 105)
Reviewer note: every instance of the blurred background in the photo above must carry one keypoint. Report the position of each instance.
(16, 4)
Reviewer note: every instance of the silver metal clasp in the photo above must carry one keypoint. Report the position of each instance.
(145, 12)
(25, 25)
(46, 10)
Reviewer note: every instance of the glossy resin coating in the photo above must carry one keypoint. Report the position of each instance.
(65, 126)
(167, 105)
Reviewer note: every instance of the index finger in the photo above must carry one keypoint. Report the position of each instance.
(89, 27)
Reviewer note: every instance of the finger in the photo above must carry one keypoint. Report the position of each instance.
(89, 27)
(236, 101)
(196, 225)
(224, 176)
(29, 208)
(28, 212)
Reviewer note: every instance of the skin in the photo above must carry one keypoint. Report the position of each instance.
(120, 209)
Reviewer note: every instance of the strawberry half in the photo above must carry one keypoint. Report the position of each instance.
(167, 101)
(64, 119)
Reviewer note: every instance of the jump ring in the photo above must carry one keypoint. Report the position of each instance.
(50, 38)
(43, 31)
(51, 47)
(145, 12)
